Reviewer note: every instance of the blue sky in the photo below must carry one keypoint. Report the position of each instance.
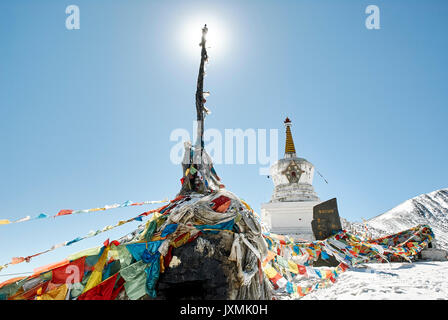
(86, 115)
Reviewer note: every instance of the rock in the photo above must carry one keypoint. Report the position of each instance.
(203, 271)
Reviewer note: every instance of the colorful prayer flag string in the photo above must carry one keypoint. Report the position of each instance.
(65, 212)
(17, 260)
(347, 248)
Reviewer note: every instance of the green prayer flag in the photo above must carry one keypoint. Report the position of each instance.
(135, 278)
(124, 256)
(150, 230)
(76, 290)
(282, 262)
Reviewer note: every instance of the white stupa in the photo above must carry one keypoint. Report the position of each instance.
(290, 210)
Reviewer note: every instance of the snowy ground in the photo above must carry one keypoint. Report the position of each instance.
(397, 281)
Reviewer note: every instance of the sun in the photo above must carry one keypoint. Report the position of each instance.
(192, 31)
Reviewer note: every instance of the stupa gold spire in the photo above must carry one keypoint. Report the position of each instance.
(289, 145)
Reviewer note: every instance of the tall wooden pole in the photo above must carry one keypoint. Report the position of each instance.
(200, 91)
(190, 180)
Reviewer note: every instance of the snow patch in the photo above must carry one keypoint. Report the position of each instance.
(397, 281)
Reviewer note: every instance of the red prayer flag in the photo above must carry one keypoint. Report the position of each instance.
(277, 277)
(103, 291)
(343, 266)
(302, 269)
(119, 287)
(64, 212)
(17, 260)
(167, 258)
(177, 198)
(223, 208)
(74, 270)
(219, 202)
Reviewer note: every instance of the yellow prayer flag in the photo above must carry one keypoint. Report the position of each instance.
(86, 252)
(5, 221)
(270, 272)
(180, 242)
(293, 267)
(95, 277)
(56, 294)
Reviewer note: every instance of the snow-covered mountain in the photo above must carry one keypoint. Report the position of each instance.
(430, 209)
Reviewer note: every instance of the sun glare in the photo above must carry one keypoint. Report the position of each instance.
(192, 31)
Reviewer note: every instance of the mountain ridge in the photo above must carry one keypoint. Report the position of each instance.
(428, 208)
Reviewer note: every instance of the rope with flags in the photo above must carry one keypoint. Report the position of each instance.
(289, 263)
(17, 260)
(65, 212)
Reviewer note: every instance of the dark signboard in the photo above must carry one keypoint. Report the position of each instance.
(325, 223)
(326, 220)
